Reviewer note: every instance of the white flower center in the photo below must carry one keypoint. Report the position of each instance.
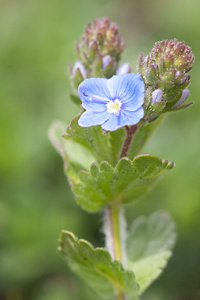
(113, 107)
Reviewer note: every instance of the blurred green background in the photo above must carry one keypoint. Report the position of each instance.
(37, 43)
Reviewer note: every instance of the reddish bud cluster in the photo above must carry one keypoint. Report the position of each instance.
(166, 68)
(100, 38)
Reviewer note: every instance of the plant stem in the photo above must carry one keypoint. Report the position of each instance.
(130, 132)
(114, 221)
(114, 228)
(121, 297)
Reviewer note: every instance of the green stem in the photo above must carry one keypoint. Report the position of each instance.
(115, 231)
(121, 297)
(114, 228)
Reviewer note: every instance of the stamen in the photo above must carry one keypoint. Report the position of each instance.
(98, 97)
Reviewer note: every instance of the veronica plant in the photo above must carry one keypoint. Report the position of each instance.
(100, 149)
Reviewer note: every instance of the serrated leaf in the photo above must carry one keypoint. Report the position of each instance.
(149, 245)
(105, 276)
(126, 183)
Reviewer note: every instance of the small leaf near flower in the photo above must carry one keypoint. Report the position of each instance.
(112, 103)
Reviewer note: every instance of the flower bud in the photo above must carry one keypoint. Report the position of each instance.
(99, 52)
(156, 96)
(108, 66)
(100, 39)
(153, 104)
(166, 69)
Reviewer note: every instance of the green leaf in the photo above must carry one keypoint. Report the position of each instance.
(141, 136)
(75, 156)
(104, 185)
(105, 276)
(126, 183)
(91, 138)
(149, 245)
(117, 138)
(104, 146)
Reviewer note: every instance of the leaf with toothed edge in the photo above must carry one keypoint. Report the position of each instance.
(105, 276)
(97, 185)
(106, 146)
(126, 183)
(149, 243)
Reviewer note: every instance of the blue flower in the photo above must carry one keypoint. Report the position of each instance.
(112, 103)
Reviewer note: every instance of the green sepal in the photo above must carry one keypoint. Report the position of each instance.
(151, 75)
(156, 108)
(124, 184)
(147, 98)
(92, 51)
(149, 244)
(105, 276)
(97, 67)
(182, 106)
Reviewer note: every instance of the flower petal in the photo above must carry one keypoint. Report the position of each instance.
(90, 118)
(125, 118)
(131, 117)
(96, 93)
(128, 88)
(93, 93)
(113, 123)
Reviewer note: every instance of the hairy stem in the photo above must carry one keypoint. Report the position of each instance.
(130, 133)
(114, 229)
